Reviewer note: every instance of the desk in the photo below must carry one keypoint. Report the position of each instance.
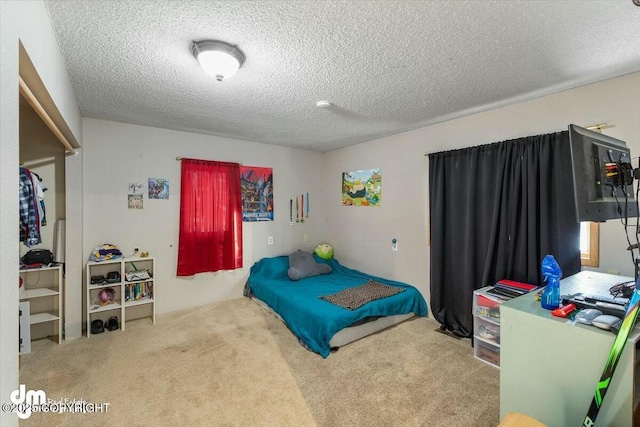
(550, 366)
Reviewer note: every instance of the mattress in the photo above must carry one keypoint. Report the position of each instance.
(352, 333)
(315, 321)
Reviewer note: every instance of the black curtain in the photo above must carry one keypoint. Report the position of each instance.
(495, 211)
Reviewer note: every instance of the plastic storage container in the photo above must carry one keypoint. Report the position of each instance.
(488, 353)
(486, 326)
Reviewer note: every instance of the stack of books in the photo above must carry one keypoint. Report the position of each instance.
(507, 289)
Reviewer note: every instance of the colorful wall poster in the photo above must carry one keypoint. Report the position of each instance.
(135, 201)
(256, 185)
(362, 187)
(135, 196)
(158, 188)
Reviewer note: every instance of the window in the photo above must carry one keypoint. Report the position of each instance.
(589, 244)
(210, 217)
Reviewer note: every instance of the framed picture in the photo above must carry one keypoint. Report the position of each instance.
(158, 188)
(135, 201)
(256, 184)
(362, 187)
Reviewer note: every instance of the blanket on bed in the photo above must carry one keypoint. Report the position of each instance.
(313, 320)
(353, 298)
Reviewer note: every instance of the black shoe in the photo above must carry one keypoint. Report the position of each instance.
(97, 326)
(112, 323)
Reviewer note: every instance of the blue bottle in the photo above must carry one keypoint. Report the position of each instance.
(552, 273)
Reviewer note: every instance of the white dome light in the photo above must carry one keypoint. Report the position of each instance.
(220, 59)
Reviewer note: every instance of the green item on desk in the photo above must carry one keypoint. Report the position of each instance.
(572, 316)
(614, 356)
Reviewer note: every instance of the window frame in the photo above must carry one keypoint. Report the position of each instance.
(591, 258)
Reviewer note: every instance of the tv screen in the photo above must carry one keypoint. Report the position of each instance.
(602, 176)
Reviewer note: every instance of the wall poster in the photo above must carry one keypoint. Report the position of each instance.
(135, 200)
(256, 185)
(158, 188)
(362, 187)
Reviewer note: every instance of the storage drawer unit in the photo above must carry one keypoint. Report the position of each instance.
(486, 326)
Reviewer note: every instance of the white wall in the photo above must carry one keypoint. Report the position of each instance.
(362, 236)
(116, 154)
(28, 22)
(8, 212)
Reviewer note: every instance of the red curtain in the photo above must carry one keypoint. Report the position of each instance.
(210, 217)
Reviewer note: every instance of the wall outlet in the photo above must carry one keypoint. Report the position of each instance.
(305, 237)
(136, 250)
(270, 240)
(394, 245)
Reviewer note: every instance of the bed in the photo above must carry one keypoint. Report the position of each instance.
(321, 325)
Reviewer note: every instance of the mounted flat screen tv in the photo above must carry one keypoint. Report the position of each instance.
(602, 176)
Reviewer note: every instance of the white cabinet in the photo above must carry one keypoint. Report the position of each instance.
(42, 288)
(123, 288)
(486, 326)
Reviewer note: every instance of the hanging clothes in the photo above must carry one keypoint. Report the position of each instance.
(39, 190)
(29, 217)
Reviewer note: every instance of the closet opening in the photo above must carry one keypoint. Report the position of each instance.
(45, 141)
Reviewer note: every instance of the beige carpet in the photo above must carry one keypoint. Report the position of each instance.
(233, 364)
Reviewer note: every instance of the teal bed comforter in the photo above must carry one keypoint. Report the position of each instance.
(315, 321)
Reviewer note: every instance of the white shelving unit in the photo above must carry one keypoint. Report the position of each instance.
(134, 299)
(43, 287)
(486, 326)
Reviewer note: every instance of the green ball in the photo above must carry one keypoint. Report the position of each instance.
(324, 251)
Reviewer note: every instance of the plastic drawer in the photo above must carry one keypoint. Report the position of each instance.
(487, 330)
(486, 352)
(486, 307)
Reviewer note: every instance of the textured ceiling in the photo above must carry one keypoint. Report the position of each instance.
(387, 66)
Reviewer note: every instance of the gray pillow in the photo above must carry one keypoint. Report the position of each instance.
(302, 264)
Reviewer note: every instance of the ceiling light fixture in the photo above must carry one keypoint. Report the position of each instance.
(220, 59)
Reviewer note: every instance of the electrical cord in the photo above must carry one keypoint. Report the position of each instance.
(623, 289)
(624, 219)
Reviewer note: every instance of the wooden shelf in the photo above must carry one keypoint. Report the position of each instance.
(133, 282)
(139, 302)
(105, 285)
(42, 317)
(112, 306)
(38, 292)
(36, 269)
(106, 262)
